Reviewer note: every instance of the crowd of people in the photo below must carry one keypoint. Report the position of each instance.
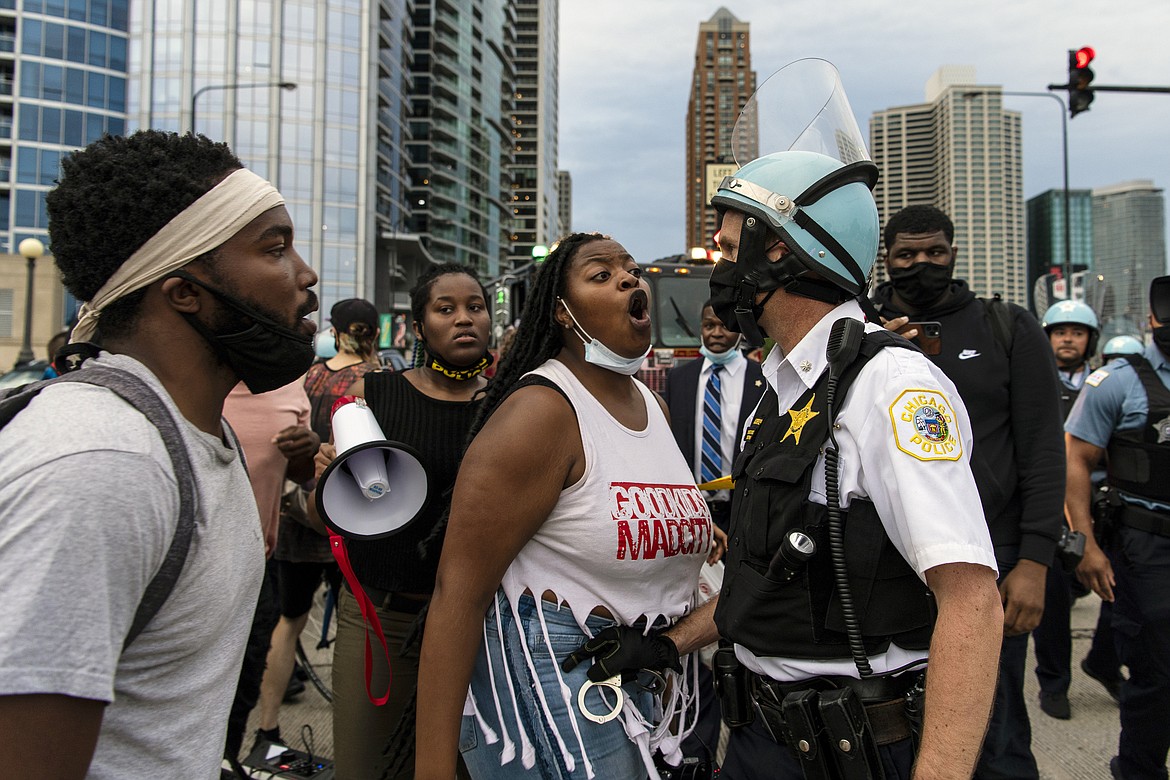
(837, 554)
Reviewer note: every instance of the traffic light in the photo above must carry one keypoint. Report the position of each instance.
(1080, 75)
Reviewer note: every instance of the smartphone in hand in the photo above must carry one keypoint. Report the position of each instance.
(929, 338)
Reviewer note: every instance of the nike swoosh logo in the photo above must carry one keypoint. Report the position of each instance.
(967, 354)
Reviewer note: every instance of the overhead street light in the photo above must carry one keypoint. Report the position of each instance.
(1068, 267)
(31, 250)
(287, 85)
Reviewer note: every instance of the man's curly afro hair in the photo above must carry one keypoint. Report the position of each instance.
(114, 195)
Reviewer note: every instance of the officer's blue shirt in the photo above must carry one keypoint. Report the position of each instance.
(1114, 400)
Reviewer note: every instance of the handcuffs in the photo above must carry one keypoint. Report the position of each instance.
(657, 683)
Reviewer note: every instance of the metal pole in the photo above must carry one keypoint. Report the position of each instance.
(1115, 88)
(26, 353)
(289, 85)
(1068, 266)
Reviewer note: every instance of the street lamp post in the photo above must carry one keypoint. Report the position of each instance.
(1068, 268)
(30, 249)
(289, 85)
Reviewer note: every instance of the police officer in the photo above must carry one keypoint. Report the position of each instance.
(1073, 330)
(1119, 346)
(1124, 410)
(828, 610)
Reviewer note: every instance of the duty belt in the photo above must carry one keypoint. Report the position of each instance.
(1134, 516)
(883, 697)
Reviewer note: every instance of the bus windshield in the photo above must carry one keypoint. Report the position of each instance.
(678, 304)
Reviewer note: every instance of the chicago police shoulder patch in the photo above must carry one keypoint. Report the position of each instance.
(924, 425)
(1097, 377)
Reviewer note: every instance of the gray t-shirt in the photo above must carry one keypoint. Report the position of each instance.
(88, 508)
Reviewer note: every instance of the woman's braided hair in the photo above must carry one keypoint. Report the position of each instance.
(539, 336)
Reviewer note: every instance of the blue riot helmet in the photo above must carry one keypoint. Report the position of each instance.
(325, 344)
(1073, 313)
(1119, 346)
(811, 189)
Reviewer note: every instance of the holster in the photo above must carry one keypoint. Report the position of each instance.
(1107, 506)
(732, 686)
(849, 735)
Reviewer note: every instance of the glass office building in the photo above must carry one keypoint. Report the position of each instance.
(334, 144)
(62, 84)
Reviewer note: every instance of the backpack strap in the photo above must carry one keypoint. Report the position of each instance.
(1001, 321)
(142, 397)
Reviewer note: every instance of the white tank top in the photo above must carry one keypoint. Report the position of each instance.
(632, 533)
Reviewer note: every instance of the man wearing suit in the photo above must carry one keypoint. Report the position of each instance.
(721, 389)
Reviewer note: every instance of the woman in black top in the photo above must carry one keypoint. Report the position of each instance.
(430, 408)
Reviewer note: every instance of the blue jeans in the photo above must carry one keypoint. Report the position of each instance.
(606, 745)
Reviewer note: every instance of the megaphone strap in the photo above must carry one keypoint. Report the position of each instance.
(369, 618)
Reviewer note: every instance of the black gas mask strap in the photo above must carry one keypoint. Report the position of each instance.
(814, 229)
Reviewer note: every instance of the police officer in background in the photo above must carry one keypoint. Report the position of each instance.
(1073, 331)
(1120, 346)
(1124, 411)
(854, 510)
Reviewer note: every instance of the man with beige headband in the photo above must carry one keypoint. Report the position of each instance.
(186, 265)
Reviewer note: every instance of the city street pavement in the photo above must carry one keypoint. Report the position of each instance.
(1076, 749)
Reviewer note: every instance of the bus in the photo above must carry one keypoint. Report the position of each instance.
(678, 289)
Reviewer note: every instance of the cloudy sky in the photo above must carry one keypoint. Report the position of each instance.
(625, 69)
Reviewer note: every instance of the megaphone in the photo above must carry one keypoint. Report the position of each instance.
(374, 487)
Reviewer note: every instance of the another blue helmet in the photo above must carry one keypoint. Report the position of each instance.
(1073, 313)
(1121, 345)
(1069, 313)
(821, 208)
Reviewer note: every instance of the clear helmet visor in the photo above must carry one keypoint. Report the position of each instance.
(801, 107)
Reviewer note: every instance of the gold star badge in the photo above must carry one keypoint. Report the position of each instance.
(759, 382)
(799, 419)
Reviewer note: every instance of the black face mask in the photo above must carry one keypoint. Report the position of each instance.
(725, 284)
(922, 284)
(265, 355)
(1161, 335)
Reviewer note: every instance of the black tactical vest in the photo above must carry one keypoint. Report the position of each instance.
(1139, 459)
(802, 618)
(1068, 397)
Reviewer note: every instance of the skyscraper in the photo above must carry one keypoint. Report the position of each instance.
(62, 84)
(1046, 234)
(533, 172)
(1129, 248)
(959, 151)
(394, 150)
(721, 84)
(564, 202)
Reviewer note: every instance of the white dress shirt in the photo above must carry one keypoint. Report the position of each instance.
(925, 495)
(731, 381)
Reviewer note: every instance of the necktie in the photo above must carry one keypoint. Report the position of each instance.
(711, 460)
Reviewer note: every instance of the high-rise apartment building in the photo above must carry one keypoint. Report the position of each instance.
(1129, 251)
(334, 145)
(962, 152)
(394, 150)
(533, 173)
(1046, 234)
(564, 203)
(62, 84)
(461, 129)
(721, 84)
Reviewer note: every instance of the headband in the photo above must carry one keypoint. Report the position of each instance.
(215, 217)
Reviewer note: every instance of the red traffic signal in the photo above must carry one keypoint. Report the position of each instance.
(1080, 76)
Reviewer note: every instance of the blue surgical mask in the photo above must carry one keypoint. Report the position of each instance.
(602, 356)
(719, 358)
